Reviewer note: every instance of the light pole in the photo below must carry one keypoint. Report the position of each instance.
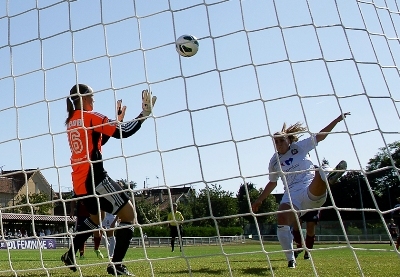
(362, 206)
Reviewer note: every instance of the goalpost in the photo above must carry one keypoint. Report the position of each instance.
(260, 63)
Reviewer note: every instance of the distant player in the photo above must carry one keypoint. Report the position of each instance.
(174, 225)
(396, 217)
(392, 230)
(311, 219)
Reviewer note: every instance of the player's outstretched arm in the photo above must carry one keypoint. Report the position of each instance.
(324, 132)
(267, 191)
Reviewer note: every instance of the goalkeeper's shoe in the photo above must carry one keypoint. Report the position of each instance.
(118, 269)
(306, 256)
(99, 254)
(68, 261)
(339, 170)
(292, 264)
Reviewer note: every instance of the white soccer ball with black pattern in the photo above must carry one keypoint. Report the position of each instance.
(187, 45)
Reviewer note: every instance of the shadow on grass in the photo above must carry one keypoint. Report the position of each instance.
(257, 271)
(255, 260)
(216, 272)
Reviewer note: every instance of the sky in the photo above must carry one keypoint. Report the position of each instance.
(260, 63)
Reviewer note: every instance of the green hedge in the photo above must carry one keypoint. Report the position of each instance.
(189, 231)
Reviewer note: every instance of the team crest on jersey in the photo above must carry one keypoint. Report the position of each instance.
(294, 151)
(287, 162)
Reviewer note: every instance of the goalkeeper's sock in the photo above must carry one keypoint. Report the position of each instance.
(96, 242)
(123, 240)
(310, 241)
(80, 239)
(286, 240)
(297, 238)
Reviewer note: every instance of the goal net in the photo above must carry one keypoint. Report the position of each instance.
(260, 63)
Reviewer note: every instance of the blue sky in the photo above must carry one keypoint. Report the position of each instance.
(260, 63)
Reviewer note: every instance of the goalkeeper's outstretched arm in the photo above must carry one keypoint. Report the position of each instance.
(127, 129)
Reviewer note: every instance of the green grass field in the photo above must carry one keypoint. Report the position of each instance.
(239, 260)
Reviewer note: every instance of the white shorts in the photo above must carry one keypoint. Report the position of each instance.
(107, 221)
(301, 200)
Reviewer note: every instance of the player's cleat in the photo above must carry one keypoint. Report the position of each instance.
(119, 269)
(335, 175)
(82, 257)
(297, 253)
(68, 261)
(291, 264)
(99, 254)
(306, 256)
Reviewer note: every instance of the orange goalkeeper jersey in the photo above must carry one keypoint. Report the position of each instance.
(85, 130)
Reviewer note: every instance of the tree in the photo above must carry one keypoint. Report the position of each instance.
(268, 205)
(383, 178)
(383, 173)
(127, 185)
(147, 212)
(221, 203)
(34, 198)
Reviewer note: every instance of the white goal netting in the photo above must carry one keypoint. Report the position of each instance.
(260, 63)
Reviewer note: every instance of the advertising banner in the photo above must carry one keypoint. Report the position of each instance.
(29, 244)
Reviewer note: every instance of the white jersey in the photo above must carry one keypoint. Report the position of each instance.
(296, 159)
(108, 220)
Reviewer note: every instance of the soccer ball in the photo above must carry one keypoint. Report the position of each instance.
(187, 45)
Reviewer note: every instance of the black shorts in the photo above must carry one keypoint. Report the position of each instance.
(311, 216)
(173, 230)
(109, 195)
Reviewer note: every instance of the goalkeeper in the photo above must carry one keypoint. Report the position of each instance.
(305, 186)
(87, 132)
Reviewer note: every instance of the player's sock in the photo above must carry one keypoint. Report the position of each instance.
(310, 241)
(96, 242)
(398, 243)
(123, 239)
(111, 246)
(104, 241)
(172, 245)
(80, 239)
(285, 239)
(297, 238)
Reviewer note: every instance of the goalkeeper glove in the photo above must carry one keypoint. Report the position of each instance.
(147, 106)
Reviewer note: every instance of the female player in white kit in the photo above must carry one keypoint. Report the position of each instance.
(108, 239)
(305, 186)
